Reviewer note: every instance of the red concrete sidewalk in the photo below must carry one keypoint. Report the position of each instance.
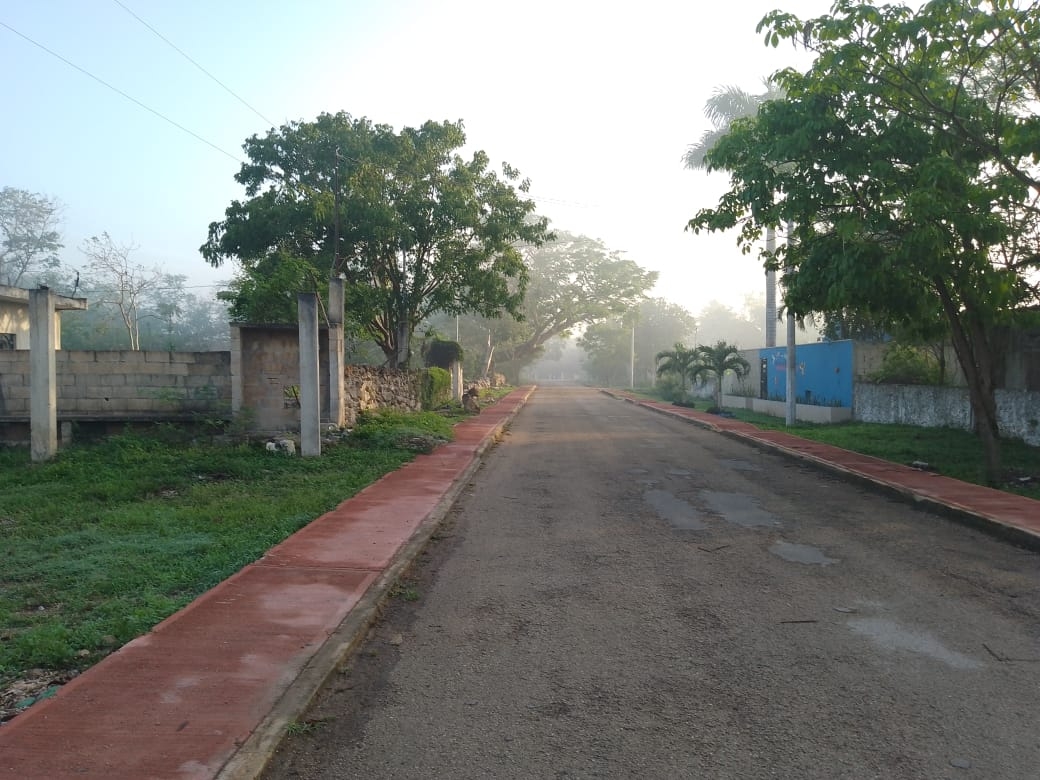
(210, 690)
(1009, 515)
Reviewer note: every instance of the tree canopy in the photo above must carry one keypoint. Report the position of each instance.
(412, 226)
(576, 280)
(905, 158)
(573, 280)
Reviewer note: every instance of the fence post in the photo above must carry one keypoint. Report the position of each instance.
(43, 382)
(310, 382)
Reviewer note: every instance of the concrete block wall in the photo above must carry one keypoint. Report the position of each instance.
(1018, 411)
(14, 383)
(123, 385)
(265, 374)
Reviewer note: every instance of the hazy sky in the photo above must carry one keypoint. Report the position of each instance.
(594, 101)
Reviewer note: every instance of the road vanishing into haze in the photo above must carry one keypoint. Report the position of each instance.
(619, 594)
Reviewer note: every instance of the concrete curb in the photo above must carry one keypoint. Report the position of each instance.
(252, 757)
(946, 508)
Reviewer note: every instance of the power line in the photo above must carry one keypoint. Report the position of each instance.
(169, 43)
(124, 94)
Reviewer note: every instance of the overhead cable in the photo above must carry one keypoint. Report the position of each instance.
(169, 43)
(124, 94)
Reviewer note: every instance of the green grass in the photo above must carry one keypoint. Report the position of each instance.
(103, 542)
(951, 452)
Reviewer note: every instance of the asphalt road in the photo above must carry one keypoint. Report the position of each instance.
(619, 594)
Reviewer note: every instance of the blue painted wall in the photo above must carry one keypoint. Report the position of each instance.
(824, 375)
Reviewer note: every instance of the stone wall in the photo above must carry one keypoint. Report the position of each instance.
(368, 388)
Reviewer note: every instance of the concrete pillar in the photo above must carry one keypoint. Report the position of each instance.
(790, 408)
(310, 381)
(43, 382)
(337, 352)
(237, 387)
(456, 381)
(770, 292)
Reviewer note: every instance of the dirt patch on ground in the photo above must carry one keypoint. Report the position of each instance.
(36, 685)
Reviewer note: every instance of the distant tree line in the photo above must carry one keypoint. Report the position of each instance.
(130, 306)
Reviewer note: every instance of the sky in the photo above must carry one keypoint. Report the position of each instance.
(134, 112)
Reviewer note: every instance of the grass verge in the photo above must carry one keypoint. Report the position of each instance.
(108, 539)
(947, 451)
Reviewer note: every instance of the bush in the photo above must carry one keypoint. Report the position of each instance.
(441, 354)
(907, 365)
(669, 388)
(386, 429)
(436, 388)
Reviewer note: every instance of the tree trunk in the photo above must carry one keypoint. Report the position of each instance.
(971, 345)
(490, 356)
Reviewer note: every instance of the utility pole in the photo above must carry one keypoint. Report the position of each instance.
(792, 367)
(632, 362)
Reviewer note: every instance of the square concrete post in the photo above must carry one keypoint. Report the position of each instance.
(337, 352)
(237, 386)
(310, 382)
(43, 382)
(456, 381)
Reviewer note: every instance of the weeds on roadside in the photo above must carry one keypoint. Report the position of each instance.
(298, 728)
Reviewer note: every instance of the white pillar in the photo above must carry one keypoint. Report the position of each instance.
(310, 382)
(632, 362)
(337, 352)
(43, 382)
(456, 381)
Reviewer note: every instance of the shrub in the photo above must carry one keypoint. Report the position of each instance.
(436, 388)
(669, 387)
(386, 429)
(441, 354)
(907, 365)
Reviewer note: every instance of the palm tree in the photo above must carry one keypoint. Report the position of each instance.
(680, 361)
(724, 106)
(717, 361)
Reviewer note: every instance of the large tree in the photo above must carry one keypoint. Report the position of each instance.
(29, 235)
(573, 280)
(576, 280)
(655, 324)
(412, 226)
(905, 156)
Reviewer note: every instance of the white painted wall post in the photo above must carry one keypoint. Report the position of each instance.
(310, 382)
(456, 381)
(43, 383)
(337, 352)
